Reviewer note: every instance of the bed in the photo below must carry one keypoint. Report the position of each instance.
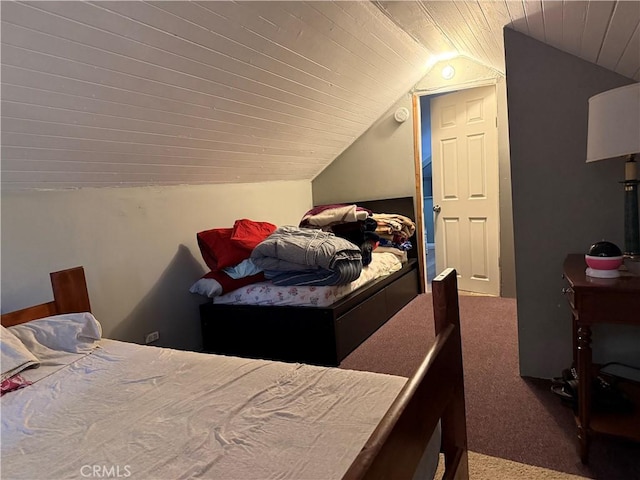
(322, 335)
(137, 411)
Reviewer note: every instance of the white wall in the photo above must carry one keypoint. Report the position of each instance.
(379, 164)
(137, 245)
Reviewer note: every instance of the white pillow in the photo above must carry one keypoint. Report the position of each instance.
(207, 287)
(14, 356)
(71, 332)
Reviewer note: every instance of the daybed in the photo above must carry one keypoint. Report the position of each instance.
(311, 334)
(104, 408)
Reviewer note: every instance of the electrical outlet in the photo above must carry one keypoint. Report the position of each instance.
(151, 337)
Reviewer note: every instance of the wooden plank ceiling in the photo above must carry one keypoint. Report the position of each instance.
(139, 93)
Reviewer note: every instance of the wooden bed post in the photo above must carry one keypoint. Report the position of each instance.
(70, 296)
(70, 291)
(434, 394)
(454, 430)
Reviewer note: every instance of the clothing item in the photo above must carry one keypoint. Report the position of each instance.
(324, 216)
(292, 248)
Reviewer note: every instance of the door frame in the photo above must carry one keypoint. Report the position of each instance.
(417, 163)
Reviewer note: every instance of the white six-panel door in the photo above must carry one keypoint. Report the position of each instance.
(464, 141)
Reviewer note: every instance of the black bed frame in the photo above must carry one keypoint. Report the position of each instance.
(316, 335)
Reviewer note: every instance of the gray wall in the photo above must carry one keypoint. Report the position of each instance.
(137, 245)
(561, 204)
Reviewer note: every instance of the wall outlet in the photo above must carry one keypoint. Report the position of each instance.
(151, 337)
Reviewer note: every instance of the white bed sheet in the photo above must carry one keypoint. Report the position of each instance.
(266, 293)
(147, 412)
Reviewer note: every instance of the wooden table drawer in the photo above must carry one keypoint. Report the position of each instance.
(571, 296)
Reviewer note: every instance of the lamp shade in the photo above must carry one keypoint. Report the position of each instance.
(614, 123)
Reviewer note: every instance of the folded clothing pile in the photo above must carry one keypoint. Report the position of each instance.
(253, 251)
(350, 222)
(330, 247)
(302, 256)
(366, 229)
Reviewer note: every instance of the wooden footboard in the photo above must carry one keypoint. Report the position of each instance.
(435, 393)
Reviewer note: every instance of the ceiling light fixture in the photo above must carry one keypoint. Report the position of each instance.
(448, 72)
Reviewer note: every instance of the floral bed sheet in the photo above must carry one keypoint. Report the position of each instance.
(266, 293)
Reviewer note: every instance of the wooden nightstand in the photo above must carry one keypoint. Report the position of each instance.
(599, 300)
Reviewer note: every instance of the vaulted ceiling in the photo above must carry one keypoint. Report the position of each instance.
(139, 93)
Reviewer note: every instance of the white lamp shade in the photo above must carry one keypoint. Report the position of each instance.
(614, 123)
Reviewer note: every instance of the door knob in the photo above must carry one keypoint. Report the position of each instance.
(436, 208)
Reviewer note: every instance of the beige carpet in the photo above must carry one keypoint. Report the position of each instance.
(484, 467)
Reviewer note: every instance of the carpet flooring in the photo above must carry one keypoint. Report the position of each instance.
(508, 416)
(484, 467)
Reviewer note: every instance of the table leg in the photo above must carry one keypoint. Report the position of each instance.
(584, 389)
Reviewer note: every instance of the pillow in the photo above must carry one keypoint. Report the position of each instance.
(14, 355)
(70, 332)
(217, 249)
(208, 287)
(216, 283)
(247, 233)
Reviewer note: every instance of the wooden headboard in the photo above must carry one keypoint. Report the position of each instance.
(70, 295)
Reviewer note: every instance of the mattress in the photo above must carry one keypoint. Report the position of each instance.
(144, 412)
(266, 293)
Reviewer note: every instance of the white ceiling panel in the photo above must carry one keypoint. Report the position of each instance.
(131, 93)
(620, 31)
